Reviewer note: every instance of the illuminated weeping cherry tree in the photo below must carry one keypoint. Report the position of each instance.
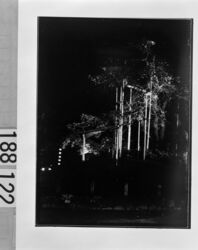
(82, 134)
(140, 101)
(125, 113)
(128, 113)
(161, 88)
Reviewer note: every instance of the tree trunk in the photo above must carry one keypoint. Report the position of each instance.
(177, 120)
(177, 133)
(116, 125)
(149, 121)
(163, 124)
(126, 189)
(156, 126)
(92, 187)
(138, 142)
(145, 126)
(83, 148)
(117, 143)
(121, 119)
(129, 124)
(177, 125)
(119, 123)
(162, 132)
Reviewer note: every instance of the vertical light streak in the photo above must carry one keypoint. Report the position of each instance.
(145, 126)
(129, 120)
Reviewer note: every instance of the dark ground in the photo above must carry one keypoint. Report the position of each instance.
(90, 194)
(155, 219)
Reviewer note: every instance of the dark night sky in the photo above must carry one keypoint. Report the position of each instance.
(69, 49)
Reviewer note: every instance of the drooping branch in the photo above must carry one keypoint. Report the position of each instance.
(139, 98)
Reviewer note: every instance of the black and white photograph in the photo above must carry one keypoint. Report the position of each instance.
(114, 110)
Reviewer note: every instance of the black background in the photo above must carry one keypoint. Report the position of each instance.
(69, 49)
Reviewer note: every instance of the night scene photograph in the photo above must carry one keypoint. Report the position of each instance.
(114, 122)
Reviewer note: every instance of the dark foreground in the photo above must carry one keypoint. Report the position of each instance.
(132, 194)
(175, 218)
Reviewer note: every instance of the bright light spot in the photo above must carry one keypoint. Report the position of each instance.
(59, 159)
(59, 156)
(49, 169)
(42, 169)
(60, 149)
(59, 163)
